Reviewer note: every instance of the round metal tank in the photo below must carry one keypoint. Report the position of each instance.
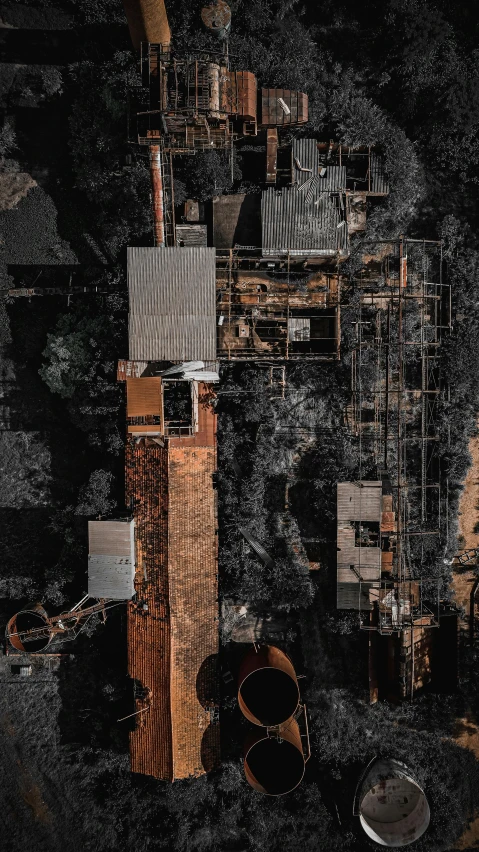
(393, 810)
(274, 765)
(217, 18)
(268, 692)
(147, 22)
(33, 619)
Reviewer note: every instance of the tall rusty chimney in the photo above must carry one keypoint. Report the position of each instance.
(157, 196)
(148, 22)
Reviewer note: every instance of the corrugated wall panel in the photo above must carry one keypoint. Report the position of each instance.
(379, 182)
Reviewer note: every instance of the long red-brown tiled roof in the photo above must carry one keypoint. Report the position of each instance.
(173, 643)
(192, 580)
(148, 616)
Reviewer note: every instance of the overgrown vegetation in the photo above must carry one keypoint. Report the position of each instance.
(400, 74)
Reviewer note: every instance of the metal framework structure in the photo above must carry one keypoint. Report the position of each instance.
(404, 308)
(63, 627)
(268, 310)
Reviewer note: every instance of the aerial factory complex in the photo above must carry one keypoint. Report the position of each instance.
(265, 278)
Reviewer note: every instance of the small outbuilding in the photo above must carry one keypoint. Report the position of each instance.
(111, 559)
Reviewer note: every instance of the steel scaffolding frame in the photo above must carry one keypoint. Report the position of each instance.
(404, 309)
(274, 309)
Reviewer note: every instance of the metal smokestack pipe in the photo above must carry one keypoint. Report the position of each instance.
(157, 196)
(147, 22)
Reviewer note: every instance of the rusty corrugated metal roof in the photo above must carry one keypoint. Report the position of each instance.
(172, 303)
(143, 396)
(272, 113)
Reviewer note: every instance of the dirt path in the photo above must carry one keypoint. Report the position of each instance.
(468, 518)
(467, 731)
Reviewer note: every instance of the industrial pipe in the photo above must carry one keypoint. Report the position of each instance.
(157, 196)
(268, 692)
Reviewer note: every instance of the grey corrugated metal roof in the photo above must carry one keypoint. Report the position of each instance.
(172, 303)
(306, 154)
(359, 501)
(111, 559)
(306, 226)
(379, 182)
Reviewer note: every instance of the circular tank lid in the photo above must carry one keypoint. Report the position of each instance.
(29, 620)
(274, 766)
(268, 696)
(216, 16)
(394, 811)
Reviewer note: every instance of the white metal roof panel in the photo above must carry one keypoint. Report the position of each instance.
(111, 559)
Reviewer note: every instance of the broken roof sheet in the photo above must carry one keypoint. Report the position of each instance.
(305, 224)
(172, 294)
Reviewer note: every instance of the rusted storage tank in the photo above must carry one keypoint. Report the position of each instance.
(393, 810)
(34, 622)
(217, 18)
(147, 22)
(268, 692)
(274, 764)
